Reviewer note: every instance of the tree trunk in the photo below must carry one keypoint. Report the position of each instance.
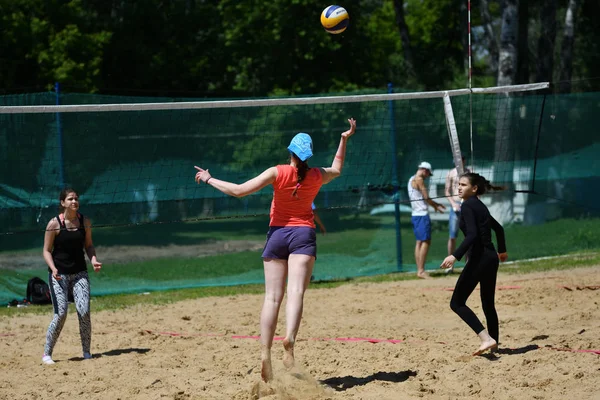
(490, 36)
(502, 203)
(507, 57)
(464, 39)
(523, 43)
(545, 51)
(566, 51)
(404, 36)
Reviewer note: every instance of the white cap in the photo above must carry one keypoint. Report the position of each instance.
(427, 166)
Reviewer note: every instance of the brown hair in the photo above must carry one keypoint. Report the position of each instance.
(483, 185)
(63, 195)
(302, 168)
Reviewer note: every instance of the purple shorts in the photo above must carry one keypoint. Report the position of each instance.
(283, 241)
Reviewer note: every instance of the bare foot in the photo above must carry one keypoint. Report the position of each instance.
(288, 355)
(485, 346)
(266, 371)
(423, 275)
(261, 389)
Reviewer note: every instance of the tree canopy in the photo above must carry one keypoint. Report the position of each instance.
(241, 48)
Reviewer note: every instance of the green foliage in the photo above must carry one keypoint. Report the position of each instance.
(52, 41)
(239, 48)
(587, 47)
(436, 34)
(74, 58)
(249, 48)
(289, 40)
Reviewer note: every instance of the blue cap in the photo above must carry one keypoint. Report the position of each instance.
(301, 145)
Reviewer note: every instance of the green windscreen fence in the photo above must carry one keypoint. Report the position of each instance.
(154, 228)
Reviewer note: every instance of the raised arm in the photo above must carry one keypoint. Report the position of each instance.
(337, 165)
(237, 190)
(89, 245)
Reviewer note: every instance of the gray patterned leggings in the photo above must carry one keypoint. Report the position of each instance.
(79, 285)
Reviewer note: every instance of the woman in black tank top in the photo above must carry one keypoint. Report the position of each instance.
(67, 236)
(482, 260)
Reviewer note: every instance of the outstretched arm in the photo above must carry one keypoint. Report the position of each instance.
(237, 190)
(335, 170)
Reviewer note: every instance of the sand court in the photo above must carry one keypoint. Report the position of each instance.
(391, 340)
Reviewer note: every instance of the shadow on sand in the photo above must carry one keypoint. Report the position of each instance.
(346, 382)
(115, 352)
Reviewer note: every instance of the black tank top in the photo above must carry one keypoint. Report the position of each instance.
(68, 253)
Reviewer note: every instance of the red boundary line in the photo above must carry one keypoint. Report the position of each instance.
(450, 289)
(278, 338)
(573, 350)
(338, 339)
(349, 339)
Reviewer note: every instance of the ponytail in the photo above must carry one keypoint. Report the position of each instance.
(302, 168)
(483, 185)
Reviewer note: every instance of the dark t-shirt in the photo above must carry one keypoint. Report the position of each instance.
(68, 252)
(477, 225)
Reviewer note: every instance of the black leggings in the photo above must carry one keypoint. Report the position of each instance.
(482, 269)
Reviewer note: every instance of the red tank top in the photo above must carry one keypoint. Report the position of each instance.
(288, 210)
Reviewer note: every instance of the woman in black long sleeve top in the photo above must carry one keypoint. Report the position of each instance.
(482, 259)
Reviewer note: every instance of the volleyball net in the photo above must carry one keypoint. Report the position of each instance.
(131, 161)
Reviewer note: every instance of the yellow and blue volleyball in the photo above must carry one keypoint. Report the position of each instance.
(335, 19)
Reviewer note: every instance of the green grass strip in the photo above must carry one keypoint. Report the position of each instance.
(123, 301)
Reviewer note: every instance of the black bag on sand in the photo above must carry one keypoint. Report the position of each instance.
(38, 291)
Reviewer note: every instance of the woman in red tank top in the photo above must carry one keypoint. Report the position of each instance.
(290, 251)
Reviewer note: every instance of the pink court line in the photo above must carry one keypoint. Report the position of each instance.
(575, 350)
(360, 339)
(278, 338)
(6, 334)
(348, 339)
(538, 279)
(451, 289)
(343, 339)
(184, 334)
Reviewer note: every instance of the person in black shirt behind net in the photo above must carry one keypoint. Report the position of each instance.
(482, 260)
